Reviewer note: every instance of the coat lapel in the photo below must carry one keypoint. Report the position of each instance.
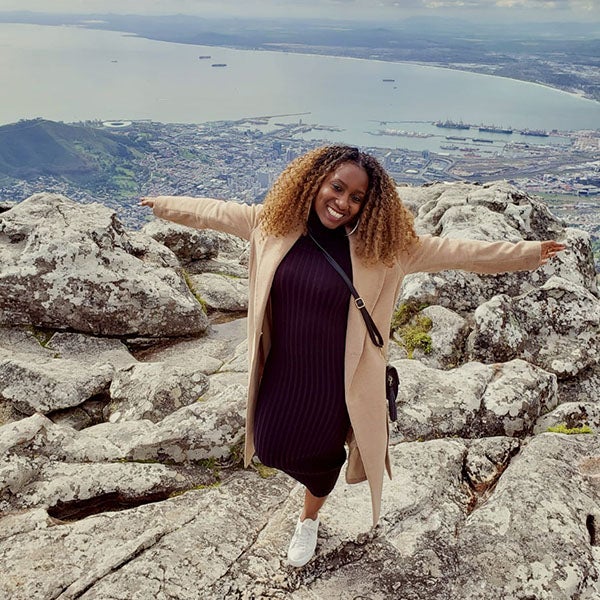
(368, 281)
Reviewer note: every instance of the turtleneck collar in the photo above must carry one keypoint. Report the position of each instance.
(320, 232)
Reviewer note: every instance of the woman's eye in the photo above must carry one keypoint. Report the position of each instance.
(337, 187)
(356, 199)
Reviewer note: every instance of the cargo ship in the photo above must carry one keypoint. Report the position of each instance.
(447, 124)
(536, 132)
(218, 65)
(389, 80)
(456, 138)
(483, 141)
(494, 129)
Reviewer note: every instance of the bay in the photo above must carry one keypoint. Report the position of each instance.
(74, 74)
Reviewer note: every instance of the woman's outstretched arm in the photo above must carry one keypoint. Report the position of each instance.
(206, 213)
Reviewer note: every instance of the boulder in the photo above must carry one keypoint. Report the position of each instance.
(89, 349)
(583, 388)
(187, 243)
(474, 400)
(72, 266)
(556, 327)
(491, 212)
(67, 489)
(222, 292)
(448, 336)
(43, 385)
(573, 415)
(535, 537)
(473, 208)
(152, 391)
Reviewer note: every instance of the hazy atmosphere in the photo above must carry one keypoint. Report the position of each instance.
(493, 10)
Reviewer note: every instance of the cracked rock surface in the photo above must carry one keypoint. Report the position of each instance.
(121, 441)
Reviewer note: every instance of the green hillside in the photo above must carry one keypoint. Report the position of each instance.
(86, 156)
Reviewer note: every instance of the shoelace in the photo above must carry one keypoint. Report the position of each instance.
(302, 537)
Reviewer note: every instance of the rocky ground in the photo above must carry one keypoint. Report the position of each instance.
(122, 413)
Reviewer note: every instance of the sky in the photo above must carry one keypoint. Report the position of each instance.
(481, 10)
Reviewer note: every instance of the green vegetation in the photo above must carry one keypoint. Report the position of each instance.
(562, 428)
(263, 471)
(43, 336)
(190, 284)
(411, 328)
(404, 313)
(90, 157)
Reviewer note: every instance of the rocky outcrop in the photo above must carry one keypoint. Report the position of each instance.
(73, 267)
(120, 449)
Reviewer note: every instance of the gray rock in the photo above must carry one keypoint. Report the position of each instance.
(486, 461)
(221, 267)
(472, 208)
(119, 553)
(202, 431)
(222, 292)
(556, 327)
(448, 335)
(186, 243)
(583, 388)
(89, 349)
(90, 412)
(46, 385)
(491, 212)
(239, 362)
(152, 252)
(474, 400)
(152, 391)
(534, 537)
(72, 266)
(65, 488)
(572, 415)
(26, 340)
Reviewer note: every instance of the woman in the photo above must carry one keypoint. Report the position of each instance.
(316, 381)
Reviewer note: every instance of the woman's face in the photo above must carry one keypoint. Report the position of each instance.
(341, 195)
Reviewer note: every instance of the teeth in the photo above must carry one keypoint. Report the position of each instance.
(333, 213)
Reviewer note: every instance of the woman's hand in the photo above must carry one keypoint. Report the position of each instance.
(147, 201)
(549, 250)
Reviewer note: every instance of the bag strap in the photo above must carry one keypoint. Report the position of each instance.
(371, 327)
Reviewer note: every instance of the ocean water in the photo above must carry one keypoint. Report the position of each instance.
(72, 74)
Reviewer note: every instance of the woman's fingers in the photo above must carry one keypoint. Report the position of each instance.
(147, 201)
(550, 248)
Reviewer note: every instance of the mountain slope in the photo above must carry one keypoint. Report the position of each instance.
(29, 149)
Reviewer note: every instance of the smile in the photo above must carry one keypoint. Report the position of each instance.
(334, 213)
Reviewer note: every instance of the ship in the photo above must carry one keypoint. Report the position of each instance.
(537, 132)
(482, 140)
(389, 80)
(204, 56)
(448, 147)
(456, 138)
(218, 65)
(447, 124)
(494, 129)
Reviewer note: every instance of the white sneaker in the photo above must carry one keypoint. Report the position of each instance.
(303, 543)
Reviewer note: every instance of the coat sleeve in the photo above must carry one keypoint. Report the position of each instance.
(209, 213)
(432, 253)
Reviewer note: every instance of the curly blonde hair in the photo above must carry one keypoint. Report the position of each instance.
(385, 226)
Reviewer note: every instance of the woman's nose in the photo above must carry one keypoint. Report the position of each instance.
(342, 200)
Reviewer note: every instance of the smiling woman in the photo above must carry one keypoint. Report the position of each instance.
(316, 382)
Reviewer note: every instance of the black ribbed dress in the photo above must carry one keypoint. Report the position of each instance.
(301, 420)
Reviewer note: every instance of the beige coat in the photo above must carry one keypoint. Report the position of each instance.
(379, 286)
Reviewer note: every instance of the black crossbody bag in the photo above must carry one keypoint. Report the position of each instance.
(391, 374)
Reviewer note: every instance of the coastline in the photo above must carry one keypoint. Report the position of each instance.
(305, 50)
